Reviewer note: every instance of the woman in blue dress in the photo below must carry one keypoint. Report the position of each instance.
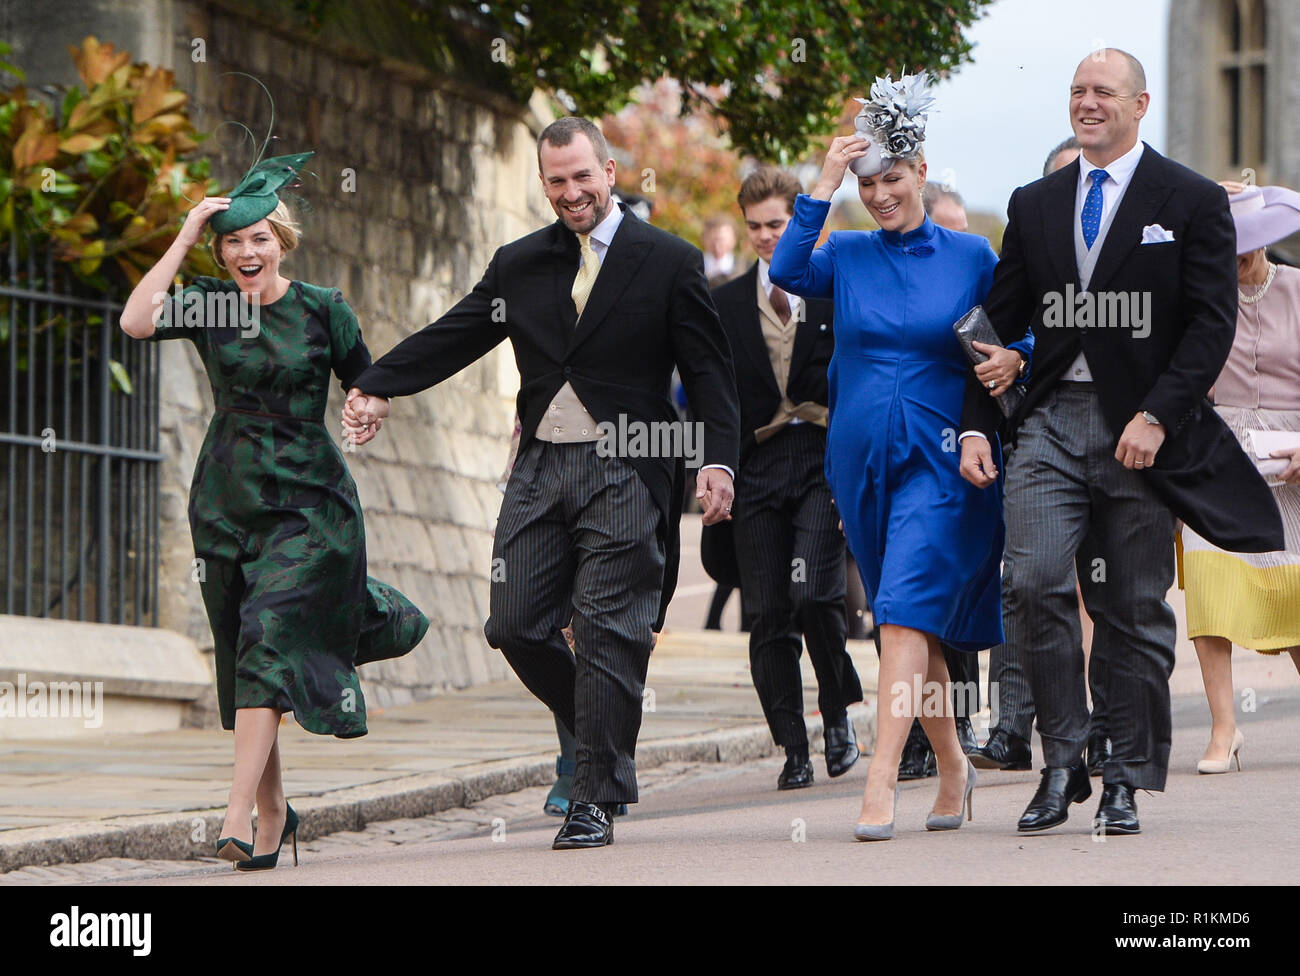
(927, 543)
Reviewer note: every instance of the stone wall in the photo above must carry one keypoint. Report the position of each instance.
(443, 175)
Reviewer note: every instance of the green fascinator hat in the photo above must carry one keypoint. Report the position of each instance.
(257, 194)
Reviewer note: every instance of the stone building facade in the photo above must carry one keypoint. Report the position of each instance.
(416, 180)
(1234, 85)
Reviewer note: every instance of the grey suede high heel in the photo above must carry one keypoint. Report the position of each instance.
(952, 821)
(883, 831)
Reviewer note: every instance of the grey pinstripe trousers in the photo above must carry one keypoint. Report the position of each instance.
(577, 539)
(1063, 484)
(1009, 691)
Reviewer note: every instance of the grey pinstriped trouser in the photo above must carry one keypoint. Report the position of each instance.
(1062, 482)
(578, 539)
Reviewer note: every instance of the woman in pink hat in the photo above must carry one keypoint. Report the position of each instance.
(1253, 600)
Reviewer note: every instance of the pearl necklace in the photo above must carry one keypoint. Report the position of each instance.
(1259, 293)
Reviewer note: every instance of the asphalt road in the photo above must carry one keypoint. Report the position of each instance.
(723, 824)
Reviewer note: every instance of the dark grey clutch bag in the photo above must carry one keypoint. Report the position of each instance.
(975, 326)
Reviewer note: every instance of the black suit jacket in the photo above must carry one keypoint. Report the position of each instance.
(814, 343)
(1200, 471)
(648, 311)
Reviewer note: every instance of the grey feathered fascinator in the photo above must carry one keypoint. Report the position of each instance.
(893, 118)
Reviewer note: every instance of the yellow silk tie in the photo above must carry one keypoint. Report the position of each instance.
(586, 279)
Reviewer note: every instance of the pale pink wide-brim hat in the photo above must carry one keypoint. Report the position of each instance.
(1264, 215)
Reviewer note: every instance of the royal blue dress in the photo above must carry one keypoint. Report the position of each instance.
(928, 543)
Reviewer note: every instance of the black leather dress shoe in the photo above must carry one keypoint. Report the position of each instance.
(966, 736)
(585, 825)
(1004, 750)
(1118, 812)
(841, 747)
(917, 761)
(797, 773)
(1098, 752)
(1059, 787)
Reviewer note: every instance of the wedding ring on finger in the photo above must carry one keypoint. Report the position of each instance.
(993, 384)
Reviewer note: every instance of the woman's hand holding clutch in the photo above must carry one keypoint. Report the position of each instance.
(997, 373)
(1292, 472)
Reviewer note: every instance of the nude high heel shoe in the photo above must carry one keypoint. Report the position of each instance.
(1222, 765)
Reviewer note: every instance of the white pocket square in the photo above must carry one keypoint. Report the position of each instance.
(1155, 234)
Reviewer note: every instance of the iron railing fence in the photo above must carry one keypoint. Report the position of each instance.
(79, 451)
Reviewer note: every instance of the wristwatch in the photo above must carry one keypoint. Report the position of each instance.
(1024, 365)
(1150, 418)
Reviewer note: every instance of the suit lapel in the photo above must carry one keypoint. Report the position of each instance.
(1058, 224)
(563, 253)
(806, 337)
(750, 325)
(1142, 201)
(627, 252)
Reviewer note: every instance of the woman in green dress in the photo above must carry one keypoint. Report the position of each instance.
(277, 527)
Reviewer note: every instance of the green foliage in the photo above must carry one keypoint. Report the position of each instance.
(784, 66)
(773, 74)
(99, 185)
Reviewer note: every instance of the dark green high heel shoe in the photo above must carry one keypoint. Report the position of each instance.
(233, 849)
(264, 862)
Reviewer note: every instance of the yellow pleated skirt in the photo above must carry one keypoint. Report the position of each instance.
(1252, 599)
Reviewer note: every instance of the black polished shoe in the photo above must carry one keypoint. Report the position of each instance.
(585, 825)
(1004, 750)
(797, 773)
(917, 761)
(841, 747)
(966, 736)
(1098, 752)
(1059, 787)
(1118, 812)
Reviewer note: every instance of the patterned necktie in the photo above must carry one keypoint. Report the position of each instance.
(586, 279)
(1091, 215)
(780, 305)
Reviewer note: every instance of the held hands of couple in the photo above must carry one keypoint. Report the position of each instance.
(363, 415)
(715, 490)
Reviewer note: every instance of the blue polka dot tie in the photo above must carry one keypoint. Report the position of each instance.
(1091, 216)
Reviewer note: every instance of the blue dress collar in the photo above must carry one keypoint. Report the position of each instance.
(919, 241)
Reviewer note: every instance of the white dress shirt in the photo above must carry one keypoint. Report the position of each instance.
(1118, 174)
(766, 282)
(566, 406)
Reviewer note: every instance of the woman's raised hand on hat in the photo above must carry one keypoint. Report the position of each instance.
(192, 230)
(844, 149)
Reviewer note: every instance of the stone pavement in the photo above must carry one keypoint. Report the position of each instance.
(162, 795)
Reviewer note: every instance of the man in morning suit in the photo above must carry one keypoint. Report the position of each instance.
(787, 537)
(599, 307)
(1115, 436)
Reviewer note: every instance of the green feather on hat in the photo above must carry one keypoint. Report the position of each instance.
(257, 194)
